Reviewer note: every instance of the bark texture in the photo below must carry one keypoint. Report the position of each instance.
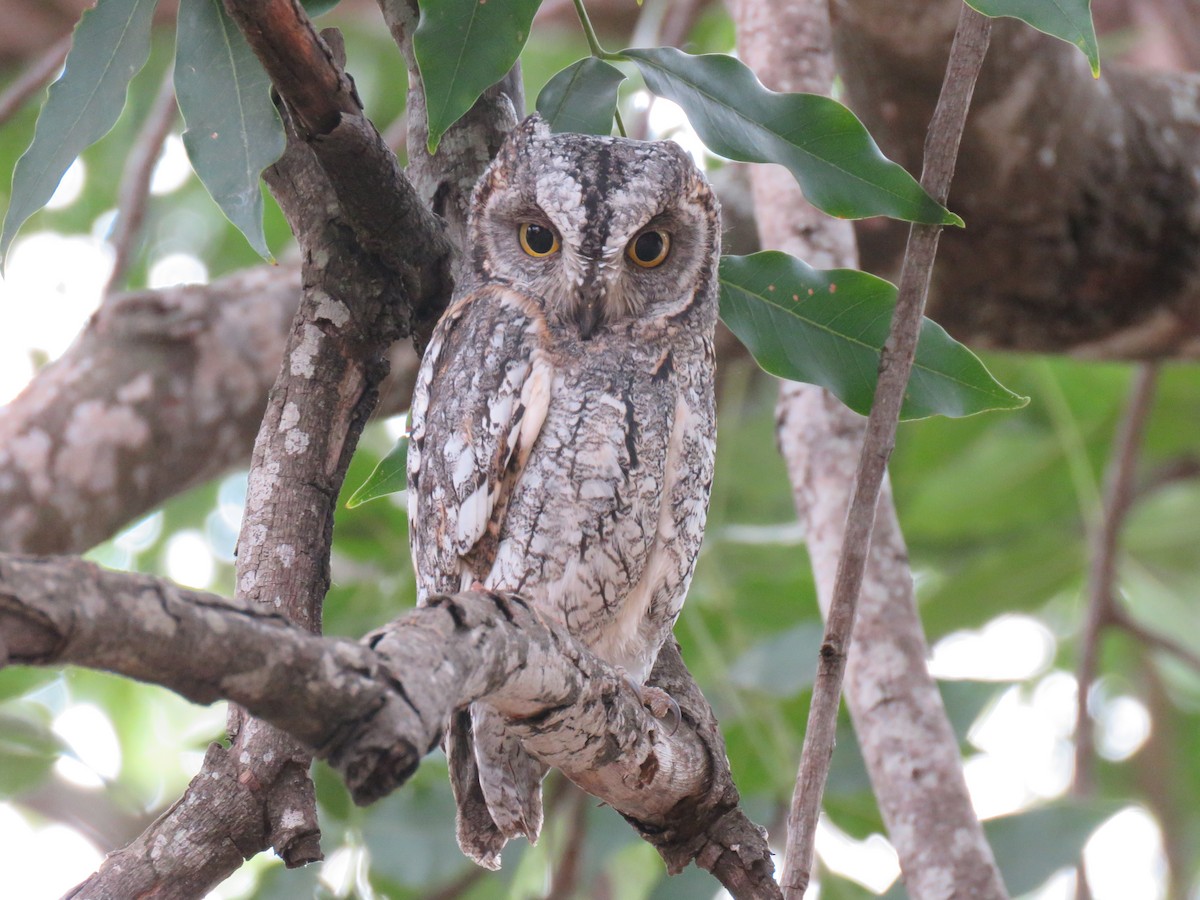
(1080, 195)
(161, 391)
(906, 738)
(374, 708)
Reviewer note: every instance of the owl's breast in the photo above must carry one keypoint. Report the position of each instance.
(603, 527)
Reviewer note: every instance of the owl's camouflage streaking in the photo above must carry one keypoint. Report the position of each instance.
(563, 424)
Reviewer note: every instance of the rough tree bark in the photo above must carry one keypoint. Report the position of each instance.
(1095, 254)
(374, 708)
(906, 739)
(1080, 195)
(163, 390)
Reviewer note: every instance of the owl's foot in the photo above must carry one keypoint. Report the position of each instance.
(660, 704)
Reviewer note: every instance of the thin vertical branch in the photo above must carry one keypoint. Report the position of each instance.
(135, 180)
(36, 77)
(1102, 609)
(945, 131)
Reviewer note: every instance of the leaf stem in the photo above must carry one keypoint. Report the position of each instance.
(620, 124)
(590, 33)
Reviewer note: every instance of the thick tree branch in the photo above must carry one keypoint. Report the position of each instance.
(1080, 195)
(163, 390)
(374, 708)
(376, 199)
(906, 739)
(345, 196)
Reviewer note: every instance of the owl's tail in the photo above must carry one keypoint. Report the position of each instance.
(497, 785)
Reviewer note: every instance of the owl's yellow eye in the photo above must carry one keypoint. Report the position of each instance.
(650, 248)
(537, 240)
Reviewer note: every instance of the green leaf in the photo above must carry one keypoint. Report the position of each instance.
(111, 44)
(582, 97)
(28, 750)
(828, 150)
(463, 47)
(390, 476)
(782, 665)
(17, 681)
(233, 129)
(316, 8)
(1031, 846)
(827, 328)
(1069, 20)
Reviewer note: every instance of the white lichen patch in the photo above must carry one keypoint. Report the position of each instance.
(153, 618)
(290, 417)
(295, 441)
(93, 436)
(254, 681)
(303, 353)
(140, 388)
(29, 452)
(291, 818)
(333, 310)
(247, 583)
(262, 484)
(286, 554)
(1185, 102)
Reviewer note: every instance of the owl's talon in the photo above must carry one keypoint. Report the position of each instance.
(660, 704)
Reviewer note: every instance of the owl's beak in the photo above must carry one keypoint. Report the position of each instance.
(588, 315)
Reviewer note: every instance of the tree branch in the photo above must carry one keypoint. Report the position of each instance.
(1102, 607)
(135, 179)
(897, 711)
(1080, 194)
(161, 391)
(374, 708)
(36, 77)
(895, 364)
(445, 179)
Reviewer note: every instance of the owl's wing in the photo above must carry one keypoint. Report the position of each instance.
(480, 401)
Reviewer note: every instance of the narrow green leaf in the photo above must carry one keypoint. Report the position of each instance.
(111, 44)
(390, 476)
(828, 327)
(582, 97)
(463, 47)
(233, 129)
(1031, 846)
(1069, 20)
(828, 150)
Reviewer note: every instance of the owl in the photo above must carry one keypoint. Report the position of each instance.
(562, 427)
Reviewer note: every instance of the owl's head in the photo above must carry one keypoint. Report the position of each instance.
(601, 230)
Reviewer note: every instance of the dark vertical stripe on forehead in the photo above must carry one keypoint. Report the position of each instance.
(596, 179)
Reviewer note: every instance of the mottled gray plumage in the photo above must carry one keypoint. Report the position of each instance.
(563, 424)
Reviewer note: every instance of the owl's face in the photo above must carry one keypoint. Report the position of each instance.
(600, 230)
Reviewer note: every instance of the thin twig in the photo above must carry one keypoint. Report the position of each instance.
(35, 78)
(135, 180)
(945, 132)
(1102, 610)
(566, 875)
(1153, 639)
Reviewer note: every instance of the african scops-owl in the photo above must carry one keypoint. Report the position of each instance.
(563, 425)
